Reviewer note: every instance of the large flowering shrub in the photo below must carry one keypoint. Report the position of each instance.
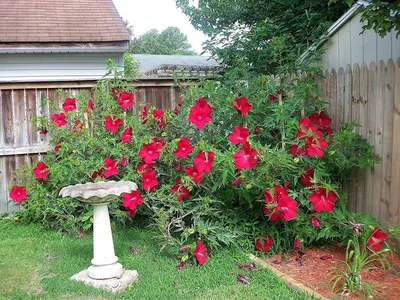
(252, 162)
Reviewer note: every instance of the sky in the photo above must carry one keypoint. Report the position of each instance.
(145, 15)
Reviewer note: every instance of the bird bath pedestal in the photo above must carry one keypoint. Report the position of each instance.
(105, 271)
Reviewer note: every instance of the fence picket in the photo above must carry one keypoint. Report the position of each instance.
(394, 202)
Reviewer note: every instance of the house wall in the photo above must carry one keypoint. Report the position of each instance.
(348, 46)
(54, 67)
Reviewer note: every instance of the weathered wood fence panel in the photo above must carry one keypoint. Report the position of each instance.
(370, 96)
(20, 139)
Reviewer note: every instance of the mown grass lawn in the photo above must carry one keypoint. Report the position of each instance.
(37, 264)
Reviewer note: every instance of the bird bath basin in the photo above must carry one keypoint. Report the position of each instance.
(104, 263)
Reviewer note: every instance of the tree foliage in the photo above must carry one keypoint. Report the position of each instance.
(380, 16)
(170, 41)
(265, 36)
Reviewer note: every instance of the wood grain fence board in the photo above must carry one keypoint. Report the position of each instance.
(333, 97)
(10, 162)
(362, 174)
(31, 113)
(328, 93)
(340, 98)
(387, 138)
(394, 202)
(19, 117)
(371, 105)
(378, 144)
(2, 129)
(355, 117)
(347, 93)
(3, 186)
(7, 118)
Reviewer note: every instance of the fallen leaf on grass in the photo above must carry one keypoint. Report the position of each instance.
(243, 279)
(251, 267)
(133, 249)
(174, 284)
(180, 266)
(81, 234)
(325, 257)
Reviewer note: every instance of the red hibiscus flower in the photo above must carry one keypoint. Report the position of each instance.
(18, 193)
(305, 126)
(195, 174)
(126, 136)
(307, 177)
(131, 200)
(57, 147)
(203, 161)
(144, 115)
(246, 158)
(273, 98)
(149, 180)
(77, 127)
(43, 131)
(125, 100)
(184, 148)
(200, 253)
(59, 119)
(150, 152)
(297, 244)
(110, 167)
(180, 101)
(200, 114)
(377, 238)
(41, 170)
(98, 174)
(142, 167)
(69, 104)
(160, 142)
(237, 181)
(316, 145)
(90, 105)
(322, 201)
(315, 222)
(242, 105)
(264, 243)
(123, 161)
(239, 135)
(112, 124)
(287, 206)
(181, 191)
(295, 150)
(159, 118)
(321, 120)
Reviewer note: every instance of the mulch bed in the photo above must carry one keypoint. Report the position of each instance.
(313, 267)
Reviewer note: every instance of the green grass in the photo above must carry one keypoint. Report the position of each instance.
(37, 264)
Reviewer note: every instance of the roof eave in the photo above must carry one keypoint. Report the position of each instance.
(23, 48)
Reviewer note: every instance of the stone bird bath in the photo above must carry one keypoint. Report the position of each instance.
(105, 271)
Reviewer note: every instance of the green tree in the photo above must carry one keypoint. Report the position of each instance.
(170, 41)
(264, 35)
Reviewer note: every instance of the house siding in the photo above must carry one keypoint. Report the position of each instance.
(348, 46)
(55, 67)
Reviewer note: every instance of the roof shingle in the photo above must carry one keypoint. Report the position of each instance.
(65, 21)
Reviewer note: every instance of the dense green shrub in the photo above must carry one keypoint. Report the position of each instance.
(281, 175)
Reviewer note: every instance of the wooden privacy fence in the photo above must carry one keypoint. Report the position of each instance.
(370, 96)
(20, 140)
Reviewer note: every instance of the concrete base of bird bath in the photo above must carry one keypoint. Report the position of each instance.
(112, 284)
(105, 271)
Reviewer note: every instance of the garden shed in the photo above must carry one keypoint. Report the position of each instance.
(362, 84)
